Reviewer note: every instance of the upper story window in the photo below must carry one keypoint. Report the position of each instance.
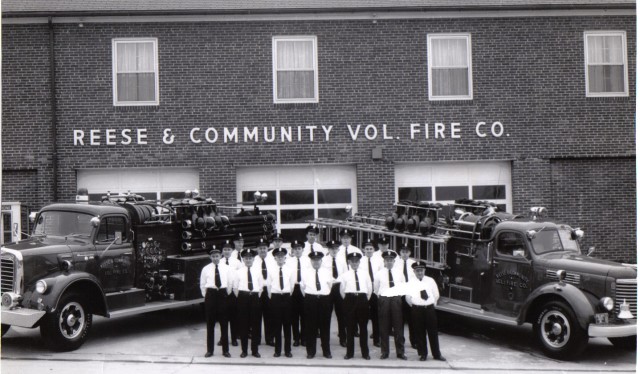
(449, 67)
(606, 63)
(135, 72)
(295, 69)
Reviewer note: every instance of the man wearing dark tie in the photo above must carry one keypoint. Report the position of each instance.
(403, 263)
(263, 262)
(281, 283)
(248, 287)
(215, 287)
(297, 263)
(316, 287)
(388, 286)
(356, 290)
(336, 265)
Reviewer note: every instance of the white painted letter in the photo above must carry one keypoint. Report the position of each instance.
(311, 129)
(208, 137)
(111, 134)
(384, 133)
(369, 136)
(327, 130)
(267, 138)
(191, 135)
(285, 132)
(126, 134)
(229, 136)
(78, 136)
(455, 130)
(250, 134)
(354, 136)
(480, 134)
(142, 136)
(497, 133)
(438, 130)
(414, 129)
(94, 137)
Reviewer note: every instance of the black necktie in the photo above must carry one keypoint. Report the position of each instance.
(404, 271)
(299, 277)
(357, 283)
(264, 269)
(317, 281)
(217, 278)
(334, 266)
(249, 280)
(370, 269)
(281, 280)
(390, 279)
(227, 259)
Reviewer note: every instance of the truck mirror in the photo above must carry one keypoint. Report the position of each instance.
(95, 222)
(118, 239)
(591, 251)
(32, 217)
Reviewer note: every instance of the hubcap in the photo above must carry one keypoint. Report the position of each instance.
(555, 329)
(72, 320)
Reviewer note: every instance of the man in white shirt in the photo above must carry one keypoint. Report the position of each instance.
(336, 265)
(238, 243)
(248, 287)
(356, 289)
(423, 295)
(297, 263)
(215, 287)
(311, 245)
(280, 286)
(403, 263)
(316, 287)
(276, 242)
(232, 262)
(373, 264)
(346, 248)
(388, 286)
(263, 262)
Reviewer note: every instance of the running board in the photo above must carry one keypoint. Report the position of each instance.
(152, 307)
(474, 311)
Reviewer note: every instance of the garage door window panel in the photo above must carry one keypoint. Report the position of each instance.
(414, 194)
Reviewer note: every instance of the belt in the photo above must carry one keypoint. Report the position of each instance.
(249, 292)
(280, 293)
(315, 295)
(216, 289)
(389, 297)
(356, 293)
(423, 306)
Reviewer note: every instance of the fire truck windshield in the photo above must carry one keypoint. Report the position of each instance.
(67, 224)
(554, 240)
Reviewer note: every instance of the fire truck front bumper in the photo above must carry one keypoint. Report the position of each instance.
(21, 317)
(610, 330)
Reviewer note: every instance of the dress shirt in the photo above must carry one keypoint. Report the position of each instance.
(288, 280)
(308, 285)
(348, 280)
(341, 264)
(399, 264)
(270, 263)
(292, 263)
(415, 286)
(233, 263)
(316, 247)
(207, 278)
(241, 281)
(381, 283)
(376, 265)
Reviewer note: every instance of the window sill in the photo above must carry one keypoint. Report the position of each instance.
(137, 108)
(461, 102)
(295, 105)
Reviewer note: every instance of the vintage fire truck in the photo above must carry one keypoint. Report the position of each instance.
(121, 256)
(510, 269)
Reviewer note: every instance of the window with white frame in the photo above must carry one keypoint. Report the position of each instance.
(295, 69)
(606, 63)
(135, 72)
(449, 67)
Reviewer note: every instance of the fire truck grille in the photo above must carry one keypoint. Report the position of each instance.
(627, 289)
(7, 274)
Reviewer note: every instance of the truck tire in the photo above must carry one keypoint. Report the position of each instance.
(5, 328)
(558, 331)
(68, 327)
(628, 343)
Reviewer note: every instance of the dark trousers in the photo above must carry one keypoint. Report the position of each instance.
(232, 307)
(297, 314)
(336, 304)
(280, 305)
(356, 314)
(373, 316)
(249, 318)
(390, 316)
(317, 313)
(215, 306)
(425, 322)
(266, 315)
(406, 319)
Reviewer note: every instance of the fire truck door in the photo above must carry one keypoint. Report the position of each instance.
(114, 251)
(511, 272)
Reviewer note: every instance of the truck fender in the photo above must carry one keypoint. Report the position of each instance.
(86, 284)
(569, 293)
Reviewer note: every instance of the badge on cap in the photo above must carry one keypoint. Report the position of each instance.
(214, 250)
(311, 229)
(238, 237)
(279, 252)
(262, 243)
(345, 232)
(316, 255)
(389, 254)
(368, 243)
(296, 244)
(420, 264)
(227, 244)
(354, 256)
(247, 252)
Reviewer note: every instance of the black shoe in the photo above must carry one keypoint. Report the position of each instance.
(208, 354)
(347, 357)
(367, 357)
(227, 354)
(243, 354)
(328, 355)
(384, 356)
(303, 343)
(234, 343)
(376, 344)
(343, 344)
(288, 355)
(296, 343)
(311, 356)
(276, 355)
(423, 358)
(440, 358)
(256, 355)
(402, 357)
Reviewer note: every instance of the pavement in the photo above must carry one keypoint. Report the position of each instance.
(173, 341)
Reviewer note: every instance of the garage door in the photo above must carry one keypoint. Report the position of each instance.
(447, 181)
(152, 183)
(297, 194)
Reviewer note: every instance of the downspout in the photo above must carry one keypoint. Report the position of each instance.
(54, 110)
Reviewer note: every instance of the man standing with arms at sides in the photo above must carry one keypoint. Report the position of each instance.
(263, 262)
(297, 263)
(403, 263)
(311, 245)
(232, 262)
(356, 290)
(336, 265)
(372, 264)
(215, 287)
(247, 288)
(316, 288)
(387, 285)
(423, 295)
(281, 283)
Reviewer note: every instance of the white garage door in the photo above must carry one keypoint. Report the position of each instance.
(300, 193)
(447, 181)
(152, 183)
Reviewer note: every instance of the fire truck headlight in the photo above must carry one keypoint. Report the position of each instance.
(41, 287)
(607, 303)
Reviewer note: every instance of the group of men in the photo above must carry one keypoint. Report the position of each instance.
(295, 293)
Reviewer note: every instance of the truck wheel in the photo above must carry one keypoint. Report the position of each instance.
(628, 343)
(558, 332)
(68, 327)
(5, 328)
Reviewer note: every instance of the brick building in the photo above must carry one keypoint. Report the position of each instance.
(324, 104)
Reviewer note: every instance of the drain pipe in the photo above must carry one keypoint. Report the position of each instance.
(54, 110)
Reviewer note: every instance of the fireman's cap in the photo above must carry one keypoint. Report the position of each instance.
(316, 255)
(346, 232)
(405, 248)
(332, 244)
(296, 244)
(227, 244)
(311, 228)
(277, 237)
(368, 243)
(279, 252)
(214, 249)
(238, 237)
(247, 252)
(353, 256)
(389, 254)
(383, 240)
(262, 243)
(420, 264)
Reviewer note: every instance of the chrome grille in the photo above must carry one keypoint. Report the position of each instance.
(7, 274)
(572, 278)
(627, 289)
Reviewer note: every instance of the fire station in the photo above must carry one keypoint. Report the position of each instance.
(326, 104)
